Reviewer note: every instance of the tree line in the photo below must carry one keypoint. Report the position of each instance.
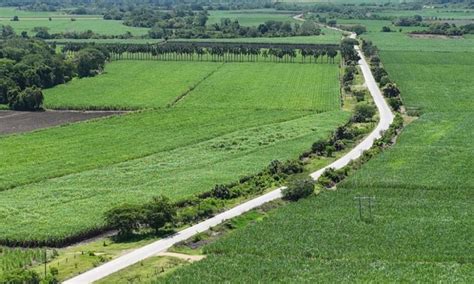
(215, 52)
(28, 65)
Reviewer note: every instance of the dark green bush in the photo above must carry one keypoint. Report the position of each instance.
(29, 99)
(363, 112)
(125, 218)
(298, 189)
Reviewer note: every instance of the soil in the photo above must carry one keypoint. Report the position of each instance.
(187, 257)
(23, 121)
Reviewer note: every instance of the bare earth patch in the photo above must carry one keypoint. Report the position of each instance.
(429, 36)
(187, 257)
(23, 121)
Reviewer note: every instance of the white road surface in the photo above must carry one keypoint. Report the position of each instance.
(386, 118)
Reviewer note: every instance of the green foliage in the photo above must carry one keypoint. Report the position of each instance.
(298, 189)
(159, 212)
(125, 218)
(391, 90)
(90, 62)
(28, 99)
(363, 112)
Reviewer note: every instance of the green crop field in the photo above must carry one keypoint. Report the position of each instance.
(57, 25)
(269, 83)
(149, 84)
(176, 173)
(251, 17)
(423, 219)
(77, 172)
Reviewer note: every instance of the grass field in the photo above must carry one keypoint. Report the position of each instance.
(273, 84)
(148, 85)
(176, 151)
(422, 227)
(57, 25)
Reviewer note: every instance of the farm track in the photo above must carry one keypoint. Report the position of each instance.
(386, 118)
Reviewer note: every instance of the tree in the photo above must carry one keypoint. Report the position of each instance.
(30, 99)
(15, 19)
(7, 31)
(319, 147)
(386, 29)
(391, 90)
(363, 112)
(159, 212)
(125, 218)
(90, 62)
(6, 84)
(298, 189)
(358, 29)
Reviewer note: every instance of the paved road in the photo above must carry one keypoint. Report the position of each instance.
(386, 118)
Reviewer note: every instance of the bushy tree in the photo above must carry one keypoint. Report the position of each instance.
(391, 90)
(159, 212)
(125, 218)
(298, 189)
(363, 112)
(30, 99)
(90, 62)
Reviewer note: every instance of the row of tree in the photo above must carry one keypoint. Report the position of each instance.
(213, 53)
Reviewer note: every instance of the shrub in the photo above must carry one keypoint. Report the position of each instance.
(29, 99)
(378, 72)
(384, 81)
(395, 103)
(391, 90)
(125, 218)
(298, 189)
(363, 112)
(359, 95)
(222, 191)
(331, 177)
(319, 146)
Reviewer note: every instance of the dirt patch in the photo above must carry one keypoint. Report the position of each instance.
(429, 36)
(23, 121)
(187, 257)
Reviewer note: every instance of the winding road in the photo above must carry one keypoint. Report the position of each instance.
(386, 118)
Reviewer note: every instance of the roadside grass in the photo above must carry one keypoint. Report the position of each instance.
(130, 85)
(145, 271)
